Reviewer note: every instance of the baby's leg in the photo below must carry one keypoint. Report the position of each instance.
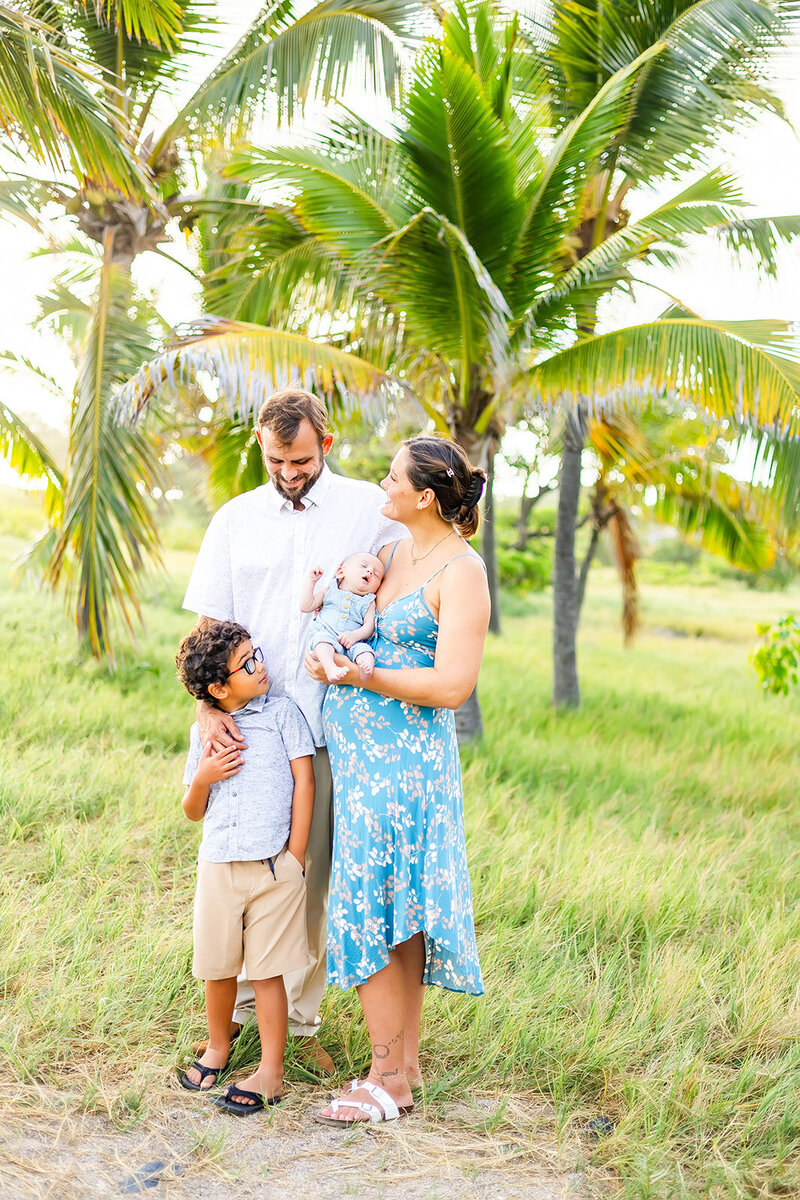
(324, 652)
(366, 664)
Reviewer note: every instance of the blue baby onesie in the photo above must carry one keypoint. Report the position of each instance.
(341, 612)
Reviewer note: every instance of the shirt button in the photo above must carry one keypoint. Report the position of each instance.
(234, 824)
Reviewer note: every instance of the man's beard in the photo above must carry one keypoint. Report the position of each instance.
(297, 493)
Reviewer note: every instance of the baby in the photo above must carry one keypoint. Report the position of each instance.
(346, 616)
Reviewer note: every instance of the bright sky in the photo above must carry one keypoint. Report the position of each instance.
(767, 160)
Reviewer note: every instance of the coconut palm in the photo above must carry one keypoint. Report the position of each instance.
(133, 55)
(684, 461)
(709, 79)
(452, 245)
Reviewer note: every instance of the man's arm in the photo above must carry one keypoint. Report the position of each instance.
(302, 807)
(363, 633)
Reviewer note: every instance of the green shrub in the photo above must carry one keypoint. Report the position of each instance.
(528, 570)
(777, 659)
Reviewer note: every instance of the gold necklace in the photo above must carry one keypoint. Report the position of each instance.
(417, 558)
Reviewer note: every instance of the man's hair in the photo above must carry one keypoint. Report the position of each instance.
(283, 411)
(204, 655)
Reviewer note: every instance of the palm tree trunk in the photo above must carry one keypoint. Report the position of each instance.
(566, 690)
(489, 546)
(469, 722)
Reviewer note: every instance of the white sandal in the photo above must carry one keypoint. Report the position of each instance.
(389, 1110)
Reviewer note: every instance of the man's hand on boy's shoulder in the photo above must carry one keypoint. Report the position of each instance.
(215, 765)
(218, 729)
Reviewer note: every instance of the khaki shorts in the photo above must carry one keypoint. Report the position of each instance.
(251, 913)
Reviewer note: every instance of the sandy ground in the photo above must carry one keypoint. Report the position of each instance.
(187, 1150)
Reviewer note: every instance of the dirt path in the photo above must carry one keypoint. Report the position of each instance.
(183, 1151)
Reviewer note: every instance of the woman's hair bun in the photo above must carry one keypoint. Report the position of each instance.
(442, 465)
(475, 490)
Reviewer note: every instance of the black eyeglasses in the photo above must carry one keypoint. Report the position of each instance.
(249, 664)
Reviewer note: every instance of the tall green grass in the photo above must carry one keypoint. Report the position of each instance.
(634, 865)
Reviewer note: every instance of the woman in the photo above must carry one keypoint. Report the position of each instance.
(400, 912)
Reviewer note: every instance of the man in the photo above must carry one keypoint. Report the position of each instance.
(251, 568)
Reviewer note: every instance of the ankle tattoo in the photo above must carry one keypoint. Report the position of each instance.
(384, 1049)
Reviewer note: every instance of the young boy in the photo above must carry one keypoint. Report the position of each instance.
(250, 902)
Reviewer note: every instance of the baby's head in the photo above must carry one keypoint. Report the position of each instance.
(219, 664)
(360, 574)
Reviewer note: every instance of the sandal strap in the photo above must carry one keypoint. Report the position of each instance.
(373, 1112)
(204, 1070)
(233, 1090)
(387, 1102)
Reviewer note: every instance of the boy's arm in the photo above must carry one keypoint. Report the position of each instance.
(302, 807)
(312, 596)
(213, 766)
(364, 631)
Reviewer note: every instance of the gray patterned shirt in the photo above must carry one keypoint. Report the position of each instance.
(249, 815)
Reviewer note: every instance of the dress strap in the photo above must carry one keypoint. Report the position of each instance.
(391, 555)
(464, 554)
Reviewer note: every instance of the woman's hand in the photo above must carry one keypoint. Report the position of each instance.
(317, 671)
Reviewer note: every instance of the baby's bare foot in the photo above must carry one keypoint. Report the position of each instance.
(366, 665)
(335, 673)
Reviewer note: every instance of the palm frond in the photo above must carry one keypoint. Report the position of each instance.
(106, 532)
(292, 57)
(457, 154)
(23, 197)
(744, 371)
(760, 238)
(554, 199)
(344, 182)
(50, 102)
(27, 454)
(249, 362)
(776, 462)
(707, 78)
(430, 273)
(709, 505)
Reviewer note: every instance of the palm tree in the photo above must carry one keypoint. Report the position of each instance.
(707, 80)
(684, 460)
(446, 248)
(133, 53)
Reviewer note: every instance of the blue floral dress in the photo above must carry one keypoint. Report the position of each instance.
(399, 858)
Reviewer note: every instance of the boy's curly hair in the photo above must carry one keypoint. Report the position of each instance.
(204, 655)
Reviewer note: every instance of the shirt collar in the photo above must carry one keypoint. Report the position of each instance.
(316, 495)
(256, 705)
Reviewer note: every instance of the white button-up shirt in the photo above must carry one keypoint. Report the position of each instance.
(255, 559)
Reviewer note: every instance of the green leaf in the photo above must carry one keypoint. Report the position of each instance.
(293, 57)
(249, 362)
(107, 530)
(707, 364)
(49, 102)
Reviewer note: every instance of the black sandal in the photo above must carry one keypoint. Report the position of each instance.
(243, 1110)
(205, 1071)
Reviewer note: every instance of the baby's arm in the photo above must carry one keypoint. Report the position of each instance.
(363, 633)
(302, 807)
(213, 766)
(312, 596)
